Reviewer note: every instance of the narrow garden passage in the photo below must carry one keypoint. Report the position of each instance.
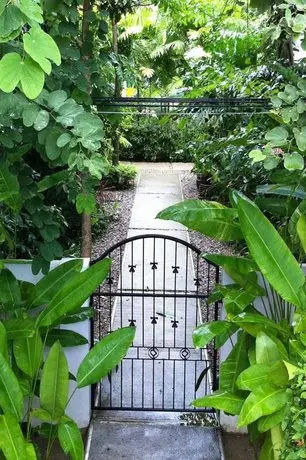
(164, 326)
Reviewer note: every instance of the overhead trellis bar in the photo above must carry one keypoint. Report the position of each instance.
(176, 106)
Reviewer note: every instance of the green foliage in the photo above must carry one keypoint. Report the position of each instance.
(122, 176)
(270, 349)
(27, 365)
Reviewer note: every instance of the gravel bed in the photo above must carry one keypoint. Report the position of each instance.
(117, 207)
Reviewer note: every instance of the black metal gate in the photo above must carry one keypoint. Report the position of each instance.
(160, 284)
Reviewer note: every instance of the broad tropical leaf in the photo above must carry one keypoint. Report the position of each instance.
(71, 440)
(206, 332)
(207, 217)
(54, 382)
(10, 291)
(65, 337)
(273, 373)
(72, 296)
(105, 356)
(19, 328)
(11, 397)
(268, 350)
(3, 341)
(270, 421)
(236, 362)
(265, 400)
(28, 354)
(12, 442)
(221, 400)
(53, 282)
(301, 230)
(271, 253)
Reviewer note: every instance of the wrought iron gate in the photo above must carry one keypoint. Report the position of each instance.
(160, 284)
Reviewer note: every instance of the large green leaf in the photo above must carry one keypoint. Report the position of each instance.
(54, 382)
(9, 290)
(265, 400)
(263, 323)
(206, 332)
(268, 350)
(29, 354)
(221, 400)
(266, 452)
(71, 440)
(270, 421)
(299, 211)
(236, 362)
(240, 264)
(273, 373)
(105, 356)
(301, 230)
(207, 217)
(271, 253)
(9, 187)
(53, 180)
(12, 442)
(76, 291)
(42, 48)
(3, 341)
(52, 283)
(19, 328)
(65, 337)
(11, 397)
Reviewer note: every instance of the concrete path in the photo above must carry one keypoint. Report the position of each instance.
(161, 369)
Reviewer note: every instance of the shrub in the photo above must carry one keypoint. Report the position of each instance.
(121, 176)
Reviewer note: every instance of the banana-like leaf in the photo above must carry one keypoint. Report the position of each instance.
(236, 362)
(10, 291)
(263, 323)
(270, 421)
(19, 328)
(65, 337)
(71, 440)
(271, 253)
(207, 217)
(3, 341)
(105, 356)
(9, 188)
(54, 382)
(277, 206)
(28, 354)
(292, 226)
(30, 452)
(241, 264)
(72, 296)
(266, 452)
(277, 189)
(52, 180)
(273, 373)
(11, 397)
(265, 400)
(80, 315)
(221, 400)
(12, 442)
(206, 332)
(269, 348)
(53, 282)
(301, 230)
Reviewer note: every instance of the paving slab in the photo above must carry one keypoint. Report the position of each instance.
(143, 441)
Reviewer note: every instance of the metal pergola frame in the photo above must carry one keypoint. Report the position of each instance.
(178, 106)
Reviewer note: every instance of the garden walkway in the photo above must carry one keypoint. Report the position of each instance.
(149, 436)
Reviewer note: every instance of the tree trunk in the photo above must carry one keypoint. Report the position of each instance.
(86, 218)
(117, 93)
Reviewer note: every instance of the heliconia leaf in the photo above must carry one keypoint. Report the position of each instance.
(266, 349)
(206, 332)
(271, 253)
(54, 382)
(3, 341)
(266, 452)
(12, 442)
(10, 291)
(105, 356)
(11, 397)
(270, 421)
(301, 230)
(19, 328)
(221, 400)
(236, 362)
(65, 337)
(52, 283)
(207, 217)
(71, 440)
(28, 354)
(72, 296)
(30, 452)
(265, 400)
(273, 373)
